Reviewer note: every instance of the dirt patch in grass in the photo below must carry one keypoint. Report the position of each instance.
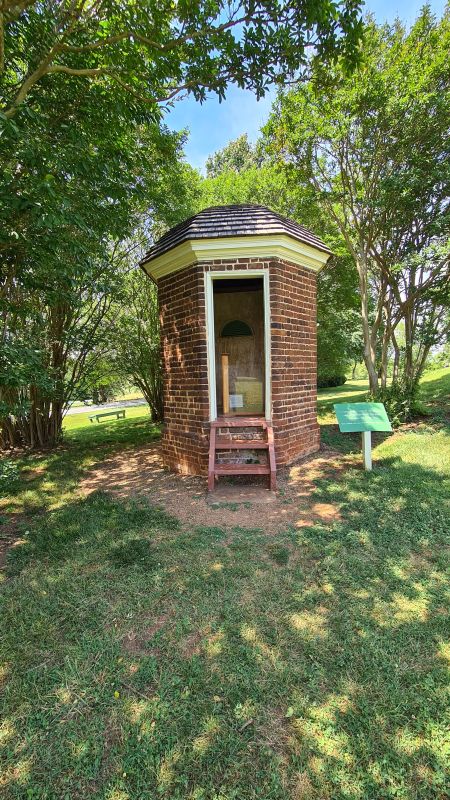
(31, 473)
(10, 536)
(136, 645)
(276, 734)
(12, 530)
(141, 472)
(302, 788)
(137, 641)
(7, 541)
(112, 738)
(191, 645)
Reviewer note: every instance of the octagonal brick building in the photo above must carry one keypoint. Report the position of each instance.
(237, 300)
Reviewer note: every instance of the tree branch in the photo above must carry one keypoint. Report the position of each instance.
(82, 73)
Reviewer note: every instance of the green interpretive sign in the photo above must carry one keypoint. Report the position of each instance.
(360, 417)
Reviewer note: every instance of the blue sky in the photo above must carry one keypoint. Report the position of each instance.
(213, 124)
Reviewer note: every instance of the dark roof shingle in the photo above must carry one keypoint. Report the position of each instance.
(233, 220)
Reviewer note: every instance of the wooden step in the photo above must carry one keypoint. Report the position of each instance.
(241, 469)
(241, 444)
(218, 442)
(239, 422)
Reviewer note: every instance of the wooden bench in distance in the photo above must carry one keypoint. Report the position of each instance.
(118, 414)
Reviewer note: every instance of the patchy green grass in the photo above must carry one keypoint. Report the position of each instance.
(108, 426)
(435, 391)
(350, 392)
(143, 659)
(49, 478)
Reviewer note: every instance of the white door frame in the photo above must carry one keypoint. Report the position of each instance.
(210, 337)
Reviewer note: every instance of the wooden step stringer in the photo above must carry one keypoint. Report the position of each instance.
(215, 469)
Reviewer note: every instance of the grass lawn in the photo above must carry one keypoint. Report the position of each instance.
(106, 430)
(350, 392)
(143, 659)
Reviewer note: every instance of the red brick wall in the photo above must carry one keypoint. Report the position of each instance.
(294, 360)
(185, 440)
(293, 342)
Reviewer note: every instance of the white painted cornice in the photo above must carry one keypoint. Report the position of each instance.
(231, 247)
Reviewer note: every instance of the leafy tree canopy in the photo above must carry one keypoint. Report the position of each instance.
(373, 148)
(237, 156)
(134, 334)
(155, 51)
(80, 172)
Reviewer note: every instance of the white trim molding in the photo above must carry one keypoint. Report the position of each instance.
(209, 278)
(231, 247)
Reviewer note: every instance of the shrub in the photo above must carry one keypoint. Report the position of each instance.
(9, 476)
(400, 402)
(325, 381)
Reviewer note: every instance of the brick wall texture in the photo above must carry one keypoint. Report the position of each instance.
(185, 441)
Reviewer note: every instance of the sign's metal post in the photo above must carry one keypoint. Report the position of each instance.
(367, 449)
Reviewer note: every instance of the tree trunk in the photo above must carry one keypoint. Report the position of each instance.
(40, 426)
(369, 350)
(55, 423)
(420, 364)
(384, 358)
(151, 388)
(408, 367)
(396, 368)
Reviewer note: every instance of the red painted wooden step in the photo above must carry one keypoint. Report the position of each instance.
(215, 469)
(239, 422)
(241, 444)
(242, 469)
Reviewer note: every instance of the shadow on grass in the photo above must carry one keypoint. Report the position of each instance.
(100, 523)
(331, 436)
(217, 670)
(49, 478)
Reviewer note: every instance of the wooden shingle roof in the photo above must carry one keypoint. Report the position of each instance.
(233, 220)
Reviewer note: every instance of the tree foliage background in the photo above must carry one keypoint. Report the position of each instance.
(90, 173)
(87, 163)
(373, 149)
(363, 159)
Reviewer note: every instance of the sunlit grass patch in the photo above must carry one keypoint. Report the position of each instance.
(401, 609)
(17, 775)
(203, 742)
(351, 392)
(214, 644)
(137, 710)
(310, 623)
(320, 736)
(7, 731)
(435, 389)
(444, 651)
(166, 769)
(81, 421)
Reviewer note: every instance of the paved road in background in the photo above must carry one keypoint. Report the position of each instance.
(105, 406)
